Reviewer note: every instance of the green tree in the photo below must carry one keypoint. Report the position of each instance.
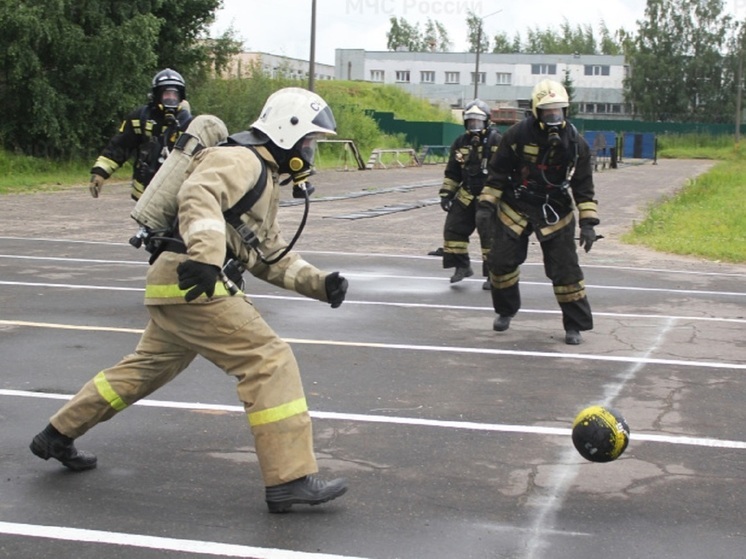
(607, 43)
(404, 36)
(70, 69)
(503, 45)
(569, 86)
(569, 40)
(475, 31)
(435, 37)
(677, 64)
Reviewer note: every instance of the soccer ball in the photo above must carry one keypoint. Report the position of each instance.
(600, 434)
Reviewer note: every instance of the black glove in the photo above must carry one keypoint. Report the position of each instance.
(587, 236)
(484, 216)
(336, 289)
(446, 203)
(199, 276)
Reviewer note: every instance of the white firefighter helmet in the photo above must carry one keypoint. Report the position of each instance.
(292, 113)
(478, 112)
(548, 96)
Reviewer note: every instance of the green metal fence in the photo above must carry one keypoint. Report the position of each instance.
(583, 124)
(418, 133)
(444, 133)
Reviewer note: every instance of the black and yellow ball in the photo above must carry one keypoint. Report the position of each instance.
(600, 434)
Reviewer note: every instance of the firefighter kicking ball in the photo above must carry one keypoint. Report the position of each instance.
(600, 434)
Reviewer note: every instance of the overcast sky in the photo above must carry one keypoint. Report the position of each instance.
(284, 26)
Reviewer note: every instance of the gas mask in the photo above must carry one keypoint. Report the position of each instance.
(553, 120)
(300, 166)
(170, 99)
(474, 125)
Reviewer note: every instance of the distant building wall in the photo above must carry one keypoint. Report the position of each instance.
(447, 78)
(274, 65)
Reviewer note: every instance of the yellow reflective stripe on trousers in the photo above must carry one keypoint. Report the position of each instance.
(278, 413)
(107, 392)
(172, 291)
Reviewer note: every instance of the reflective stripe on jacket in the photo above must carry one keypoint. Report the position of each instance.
(217, 178)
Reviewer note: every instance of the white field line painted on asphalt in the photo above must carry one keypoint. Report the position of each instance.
(70, 259)
(565, 472)
(395, 256)
(155, 542)
(349, 302)
(364, 275)
(424, 278)
(72, 241)
(684, 440)
(412, 347)
(536, 264)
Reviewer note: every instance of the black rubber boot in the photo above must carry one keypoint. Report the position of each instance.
(308, 490)
(50, 443)
(573, 337)
(461, 273)
(501, 323)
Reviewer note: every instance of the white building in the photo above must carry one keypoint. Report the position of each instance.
(447, 78)
(275, 66)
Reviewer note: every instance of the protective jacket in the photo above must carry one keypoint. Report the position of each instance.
(226, 330)
(537, 183)
(217, 179)
(465, 174)
(536, 186)
(467, 164)
(147, 133)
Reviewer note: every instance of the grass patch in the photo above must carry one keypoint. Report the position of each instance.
(21, 173)
(699, 146)
(707, 218)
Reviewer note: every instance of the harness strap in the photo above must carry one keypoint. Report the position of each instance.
(233, 215)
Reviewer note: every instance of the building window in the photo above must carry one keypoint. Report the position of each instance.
(452, 77)
(377, 75)
(596, 70)
(602, 108)
(482, 78)
(504, 78)
(402, 76)
(427, 76)
(541, 69)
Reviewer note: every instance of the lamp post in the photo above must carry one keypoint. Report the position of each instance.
(312, 56)
(479, 48)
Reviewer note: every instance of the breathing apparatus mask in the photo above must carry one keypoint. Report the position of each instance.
(552, 120)
(170, 97)
(475, 126)
(300, 165)
(167, 91)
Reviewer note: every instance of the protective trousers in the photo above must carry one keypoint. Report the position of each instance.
(460, 224)
(230, 333)
(560, 265)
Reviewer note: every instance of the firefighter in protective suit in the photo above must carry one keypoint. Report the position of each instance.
(465, 174)
(148, 133)
(192, 312)
(540, 173)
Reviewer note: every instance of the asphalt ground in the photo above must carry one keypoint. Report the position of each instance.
(454, 438)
